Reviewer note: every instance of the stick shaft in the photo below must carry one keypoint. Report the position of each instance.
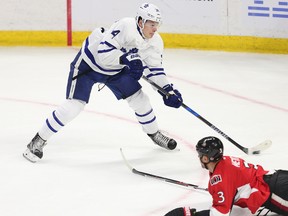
(244, 149)
(167, 179)
(145, 174)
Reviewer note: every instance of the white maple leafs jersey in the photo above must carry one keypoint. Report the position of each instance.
(102, 50)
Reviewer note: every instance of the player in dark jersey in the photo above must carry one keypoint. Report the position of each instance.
(233, 181)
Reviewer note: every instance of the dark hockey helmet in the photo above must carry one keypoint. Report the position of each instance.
(210, 146)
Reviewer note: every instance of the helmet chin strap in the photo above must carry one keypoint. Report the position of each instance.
(142, 34)
(140, 29)
(204, 165)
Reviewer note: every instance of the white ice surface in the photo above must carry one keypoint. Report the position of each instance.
(82, 172)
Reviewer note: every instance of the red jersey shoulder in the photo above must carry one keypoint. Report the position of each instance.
(234, 169)
(225, 166)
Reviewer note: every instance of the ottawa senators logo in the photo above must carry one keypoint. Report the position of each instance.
(215, 179)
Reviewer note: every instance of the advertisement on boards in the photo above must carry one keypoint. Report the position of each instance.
(265, 18)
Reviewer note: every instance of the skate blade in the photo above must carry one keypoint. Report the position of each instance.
(30, 156)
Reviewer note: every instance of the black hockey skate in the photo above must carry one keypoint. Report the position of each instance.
(163, 141)
(34, 151)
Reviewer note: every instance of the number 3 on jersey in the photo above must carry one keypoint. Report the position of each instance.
(221, 197)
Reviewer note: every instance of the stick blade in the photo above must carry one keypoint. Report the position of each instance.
(260, 147)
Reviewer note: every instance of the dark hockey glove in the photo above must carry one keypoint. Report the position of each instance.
(174, 99)
(186, 211)
(134, 62)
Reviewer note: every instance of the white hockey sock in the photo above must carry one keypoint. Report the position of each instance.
(60, 117)
(140, 103)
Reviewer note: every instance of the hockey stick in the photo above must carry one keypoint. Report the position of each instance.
(160, 177)
(253, 150)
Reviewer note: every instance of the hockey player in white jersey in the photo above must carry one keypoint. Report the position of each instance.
(117, 57)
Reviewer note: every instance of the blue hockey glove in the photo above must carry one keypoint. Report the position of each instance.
(134, 62)
(174, 99)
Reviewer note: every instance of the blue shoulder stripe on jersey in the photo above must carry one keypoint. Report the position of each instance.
(155, 74)
(107, 50)
(90, 56)
(104, 51)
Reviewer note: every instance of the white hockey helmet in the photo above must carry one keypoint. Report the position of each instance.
(149, 11)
